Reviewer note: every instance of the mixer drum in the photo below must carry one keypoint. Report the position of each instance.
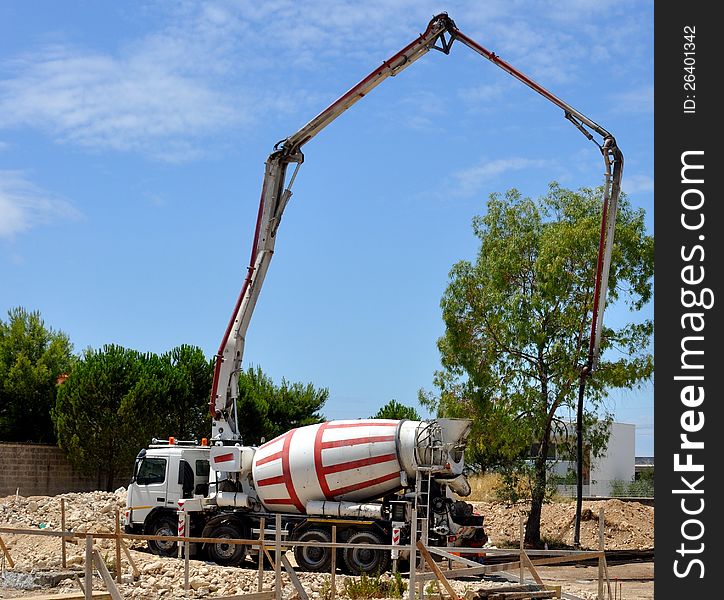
(337, 460)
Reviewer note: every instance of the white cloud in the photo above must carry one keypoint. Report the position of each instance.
(468, 181)
(637, 183)
(23, 205)
(483, 94)
(635, 101)
(99, 101)
(208, 69)
(204, 71)
(199, 74)
(420, 110)
(156, 200)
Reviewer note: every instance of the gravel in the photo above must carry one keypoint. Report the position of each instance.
(628, 525)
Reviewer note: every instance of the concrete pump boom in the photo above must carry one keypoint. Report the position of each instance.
(440, 34)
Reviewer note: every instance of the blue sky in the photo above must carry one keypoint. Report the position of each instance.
(133, 138)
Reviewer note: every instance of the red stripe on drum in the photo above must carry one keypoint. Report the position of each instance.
(271, 480)
(284, 501)
(361, 424)
(357, 441)
(274, 441)
(365, 484)
(318, 462)
(287, 473)
(270, 458)
(362, 462)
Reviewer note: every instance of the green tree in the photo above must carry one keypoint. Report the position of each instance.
(189, 391)
(267, 410)
(32, 357)
(518, 320)
(95, 414)
(173, 393)
(116, 400)
(395, 410)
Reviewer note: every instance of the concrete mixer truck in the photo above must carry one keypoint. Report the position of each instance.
(366, 476)
(363, 476)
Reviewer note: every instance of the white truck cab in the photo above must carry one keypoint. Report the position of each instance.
(162, 475)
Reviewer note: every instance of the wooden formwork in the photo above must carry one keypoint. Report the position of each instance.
(466, 567)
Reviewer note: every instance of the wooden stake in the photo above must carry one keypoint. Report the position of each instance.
(413, 554)
(62, 528)
(521, 548)
(107, 579)
(6, 552)
(423, 539)
(80, 584)
(186, 524)
(608, 580)
(118, 546)
(601, 546)
(136, 572)
(333, 582)
(278, 560)
(294, 579)
(435, 569)
(260, 575)
(88, 567)
(532, 569)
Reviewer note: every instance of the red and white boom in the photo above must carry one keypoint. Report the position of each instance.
(440, 34)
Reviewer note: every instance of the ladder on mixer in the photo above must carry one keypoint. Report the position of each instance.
(430, 455)
(423, 479)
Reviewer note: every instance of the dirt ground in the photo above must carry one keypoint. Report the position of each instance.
(634, 581)
(628, 525)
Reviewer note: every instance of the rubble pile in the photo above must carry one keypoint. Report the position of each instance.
(82, 510)
(91, 511)
(628, 525)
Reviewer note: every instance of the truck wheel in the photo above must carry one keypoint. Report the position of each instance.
(163, 525)
(366, 560)
(313, 558)
(229, 555)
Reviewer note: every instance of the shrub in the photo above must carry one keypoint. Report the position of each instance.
(366, 586)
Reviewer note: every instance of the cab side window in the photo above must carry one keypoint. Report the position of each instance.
(152, 470)
(186, 479)
(202, 468)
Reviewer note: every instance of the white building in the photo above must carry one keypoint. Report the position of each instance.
(616, 465)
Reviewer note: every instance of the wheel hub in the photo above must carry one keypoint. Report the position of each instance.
(225, 550)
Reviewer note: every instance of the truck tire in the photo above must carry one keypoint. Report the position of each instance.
(229, 555)
(366, 560)
(163, 524)
(313, 558)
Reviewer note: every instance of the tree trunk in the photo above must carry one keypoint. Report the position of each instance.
(110, 475)
(532, 527)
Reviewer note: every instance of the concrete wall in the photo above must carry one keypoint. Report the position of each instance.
(39, 470)
(618, 464)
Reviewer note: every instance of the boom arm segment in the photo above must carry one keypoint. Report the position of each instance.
(613, 158)
(440, 34)
(274, 197)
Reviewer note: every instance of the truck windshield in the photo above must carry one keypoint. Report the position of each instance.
(151, 470)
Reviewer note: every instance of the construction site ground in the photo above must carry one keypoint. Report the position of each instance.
(628, 525)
